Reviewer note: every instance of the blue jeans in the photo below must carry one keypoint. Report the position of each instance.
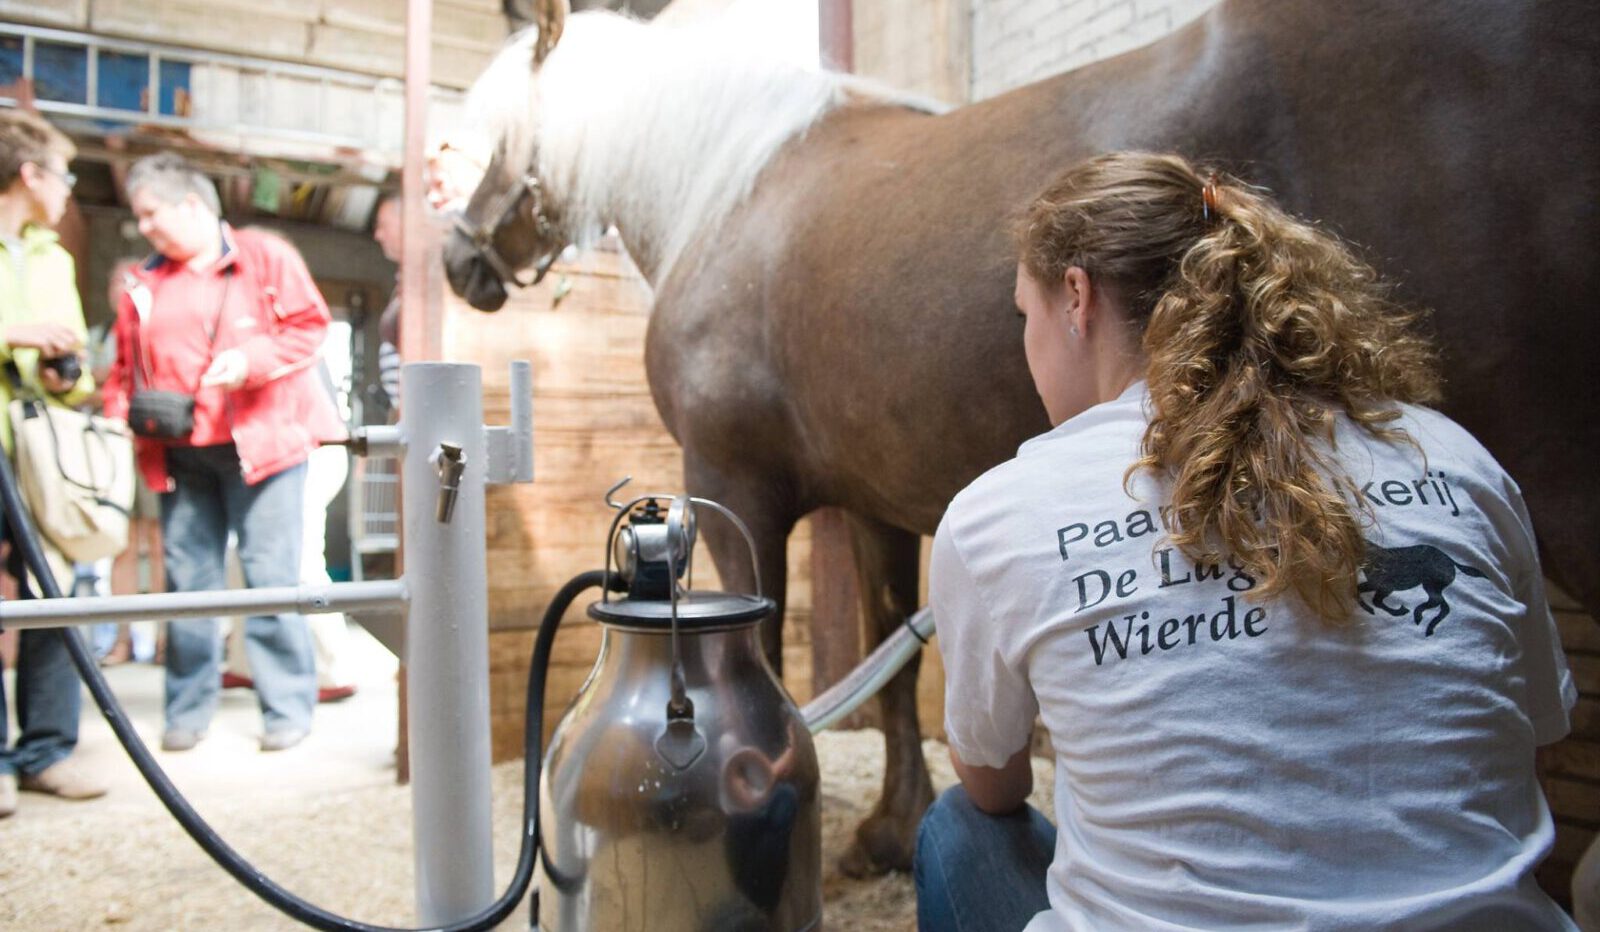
(976, 872)
(48, 696)
(210, 499)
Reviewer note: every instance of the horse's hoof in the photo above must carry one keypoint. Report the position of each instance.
(879, 847)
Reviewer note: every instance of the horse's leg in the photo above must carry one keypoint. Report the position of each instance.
(1362, 589)
(769, 520)
(887, 562)
(1378, 600)
(1434, 598)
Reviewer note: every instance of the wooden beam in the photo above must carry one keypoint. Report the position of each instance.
(835, 591)
(835, 23)
(421, 291)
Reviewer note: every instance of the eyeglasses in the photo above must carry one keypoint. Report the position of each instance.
(67, 178)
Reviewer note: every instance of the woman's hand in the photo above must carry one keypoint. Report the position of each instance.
(227, 370)
(49, 338)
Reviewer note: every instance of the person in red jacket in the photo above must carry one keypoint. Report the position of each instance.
(231, 319)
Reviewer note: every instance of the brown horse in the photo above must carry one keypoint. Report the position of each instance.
(833, 275)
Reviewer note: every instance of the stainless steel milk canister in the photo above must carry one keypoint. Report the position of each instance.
(680, 790)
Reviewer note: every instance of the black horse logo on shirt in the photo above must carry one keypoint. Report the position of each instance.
(1390, 570)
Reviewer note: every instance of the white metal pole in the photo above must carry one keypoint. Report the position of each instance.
(383, 595)
(447, 641)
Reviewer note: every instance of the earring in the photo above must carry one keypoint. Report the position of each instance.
(1073, 329)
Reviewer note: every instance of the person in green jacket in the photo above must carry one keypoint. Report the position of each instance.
(41, 320)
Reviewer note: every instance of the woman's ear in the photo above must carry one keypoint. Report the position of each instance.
(1080, 296)
(30, 174)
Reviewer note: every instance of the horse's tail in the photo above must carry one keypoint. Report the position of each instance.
(1476, 574)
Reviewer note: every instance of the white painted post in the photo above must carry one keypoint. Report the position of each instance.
(447, 643)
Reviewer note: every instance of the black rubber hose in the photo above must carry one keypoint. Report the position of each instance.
(533, 726)
(25, 537)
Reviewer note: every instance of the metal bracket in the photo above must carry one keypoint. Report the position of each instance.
(510, 449)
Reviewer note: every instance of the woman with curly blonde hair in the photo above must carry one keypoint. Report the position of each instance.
(1284, 625)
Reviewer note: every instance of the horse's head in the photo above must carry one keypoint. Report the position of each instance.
(508, 226)
(509, 223)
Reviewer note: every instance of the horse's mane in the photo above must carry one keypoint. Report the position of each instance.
(660, 129)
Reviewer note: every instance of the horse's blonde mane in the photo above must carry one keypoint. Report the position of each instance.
(658, 129)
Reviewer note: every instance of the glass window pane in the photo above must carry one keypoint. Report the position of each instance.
(61, 72)
(124, 80)
(10, 59)
(175, 83)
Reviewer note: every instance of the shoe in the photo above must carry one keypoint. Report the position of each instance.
(232, 680)
(8, 794)
(336, 693)
(283, 739)
(180, 739)
(66, 779)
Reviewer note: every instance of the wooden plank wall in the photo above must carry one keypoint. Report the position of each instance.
(1570, 769)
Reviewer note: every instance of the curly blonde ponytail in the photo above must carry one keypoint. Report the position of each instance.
(1259, 329)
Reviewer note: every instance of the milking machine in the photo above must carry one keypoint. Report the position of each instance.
(680, 790)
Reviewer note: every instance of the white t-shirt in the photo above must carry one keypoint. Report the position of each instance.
(1227, 763)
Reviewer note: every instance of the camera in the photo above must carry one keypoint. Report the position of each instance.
(69, 368)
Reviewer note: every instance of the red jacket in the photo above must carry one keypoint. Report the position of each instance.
(262, 301)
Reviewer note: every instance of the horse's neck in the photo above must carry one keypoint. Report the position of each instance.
(643, 248)
(664, 146)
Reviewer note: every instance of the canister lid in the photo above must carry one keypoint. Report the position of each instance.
(696, 611)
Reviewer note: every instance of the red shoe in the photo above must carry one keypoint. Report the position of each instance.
(336, 693)
(235, 681)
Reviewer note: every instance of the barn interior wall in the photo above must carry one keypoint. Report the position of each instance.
(964, 50)
(359, 35)
(1015, 42)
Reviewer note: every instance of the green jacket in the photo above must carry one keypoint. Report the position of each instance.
(43, 286)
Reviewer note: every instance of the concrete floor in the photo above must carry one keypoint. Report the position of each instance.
(352, 743)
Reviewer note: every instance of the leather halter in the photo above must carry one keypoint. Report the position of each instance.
(482, 236)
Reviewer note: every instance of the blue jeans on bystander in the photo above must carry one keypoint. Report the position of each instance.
(211, 498)
(980, 873)
(48, 696)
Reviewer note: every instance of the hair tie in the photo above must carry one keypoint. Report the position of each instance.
(1208, 198)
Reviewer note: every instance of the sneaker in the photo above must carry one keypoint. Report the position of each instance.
(8, 794)
(180, 739)
(66, 779)
(336, 693)
(282, 739)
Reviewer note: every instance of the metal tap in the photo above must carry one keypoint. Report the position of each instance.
(449, 461)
